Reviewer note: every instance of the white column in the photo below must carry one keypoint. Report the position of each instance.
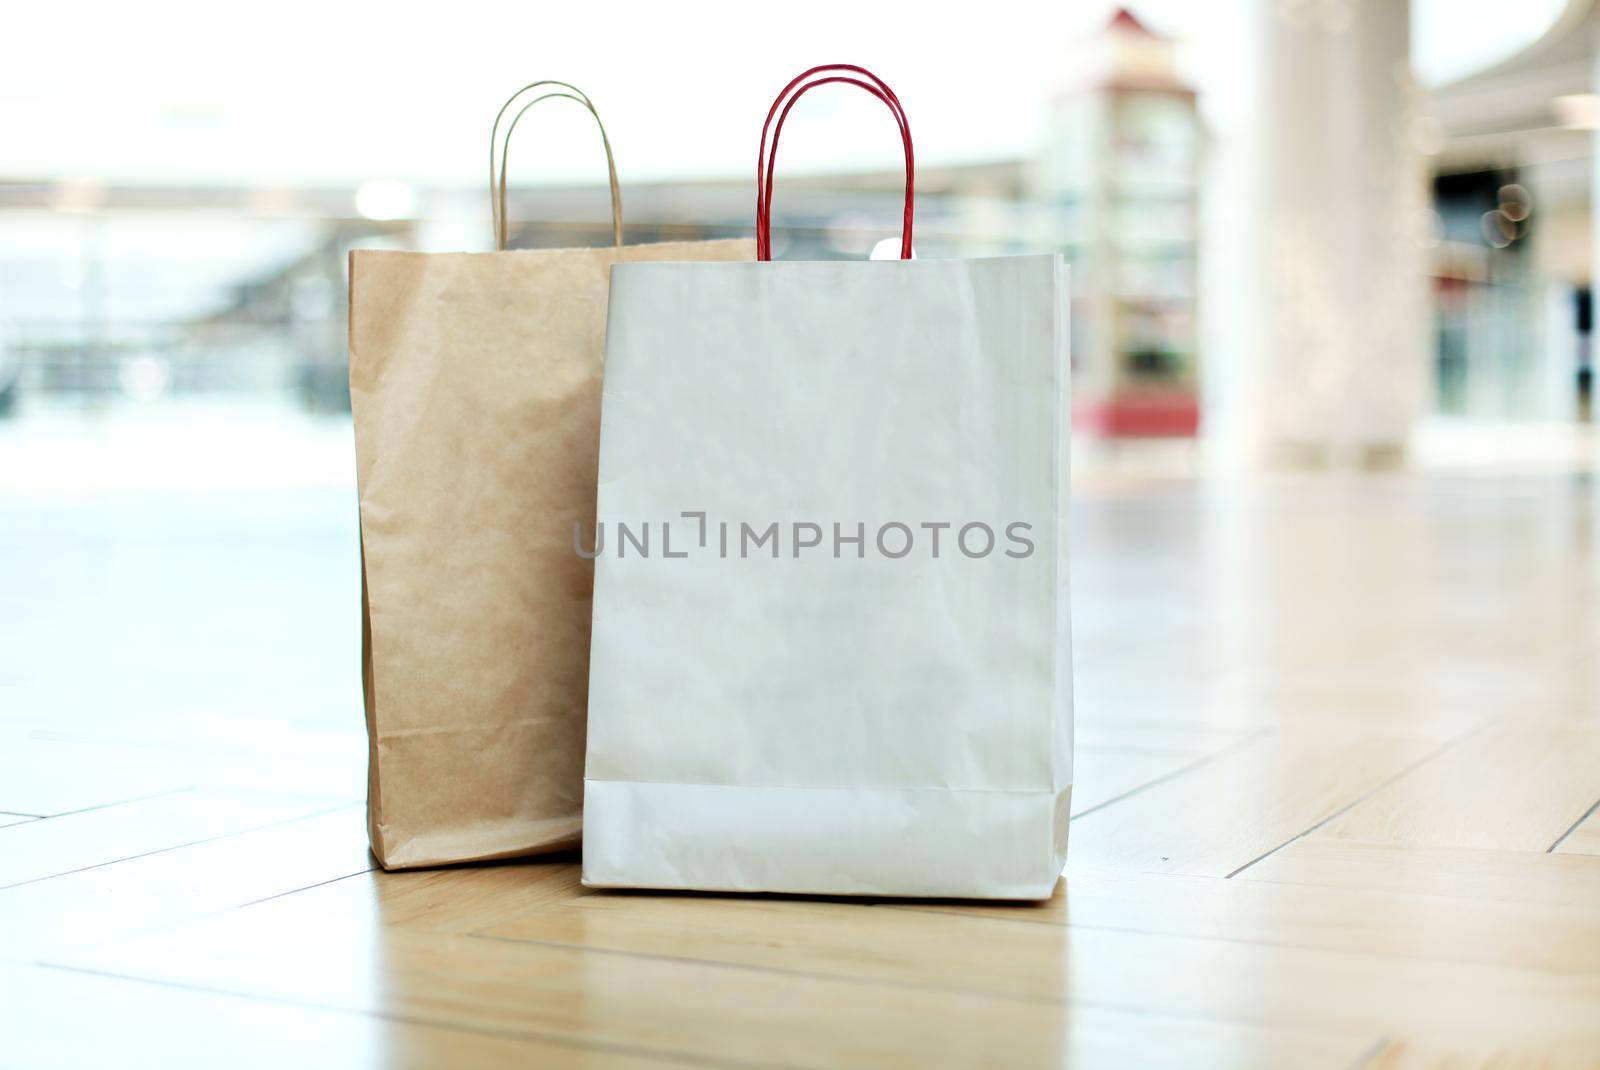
(1342, 367)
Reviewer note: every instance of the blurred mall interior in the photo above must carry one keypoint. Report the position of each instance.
(1300, 231)
(1305, 235)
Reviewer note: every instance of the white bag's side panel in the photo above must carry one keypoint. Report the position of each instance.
(915, 398)
(1061, 709)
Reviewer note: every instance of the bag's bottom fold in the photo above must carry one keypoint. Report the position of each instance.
(928, 842)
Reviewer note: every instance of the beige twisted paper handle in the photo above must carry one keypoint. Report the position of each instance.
(500, 149)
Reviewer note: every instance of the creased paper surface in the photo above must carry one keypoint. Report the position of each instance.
(475, 385)
(829, 720)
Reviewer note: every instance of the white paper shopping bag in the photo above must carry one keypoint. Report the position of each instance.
(831, 648)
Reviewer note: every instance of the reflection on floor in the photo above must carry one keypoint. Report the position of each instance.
(1338, 760)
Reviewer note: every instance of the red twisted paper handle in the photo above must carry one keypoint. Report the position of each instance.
(765, 163)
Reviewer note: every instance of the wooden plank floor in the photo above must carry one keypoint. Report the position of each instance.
(1337, 804)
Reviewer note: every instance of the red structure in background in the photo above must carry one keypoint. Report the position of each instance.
(1175, 416)
(1121, 172)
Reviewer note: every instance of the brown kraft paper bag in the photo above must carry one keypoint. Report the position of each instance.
(475, 387)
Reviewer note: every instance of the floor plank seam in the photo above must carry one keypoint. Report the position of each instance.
(306, 887)
(814, 975)
(1367, 1057)
(115, 802)
(1281, 945)
(1456, 896)
(179, 846)
(663, 1054)
(1065, 1002)
(1187, 767)
(1573, 827)
(1345, 809)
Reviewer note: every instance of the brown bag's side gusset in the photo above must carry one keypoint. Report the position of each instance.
(475, 386)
